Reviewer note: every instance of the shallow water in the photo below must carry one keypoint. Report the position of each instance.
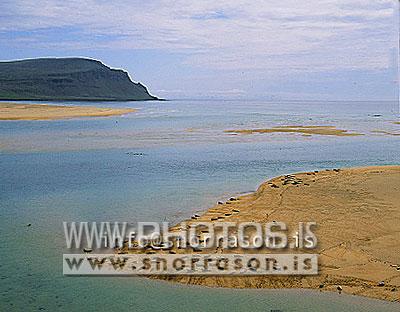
(167, 161)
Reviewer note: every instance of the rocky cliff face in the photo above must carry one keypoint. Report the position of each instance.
(67, 79)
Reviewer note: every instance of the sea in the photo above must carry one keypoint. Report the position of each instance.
(165, 162)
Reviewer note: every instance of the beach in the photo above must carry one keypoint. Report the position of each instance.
(357, 212)
(145, 166)
(12, 111)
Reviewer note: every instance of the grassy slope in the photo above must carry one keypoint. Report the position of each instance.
(67, 79)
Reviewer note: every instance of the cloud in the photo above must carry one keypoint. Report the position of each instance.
(272, 36)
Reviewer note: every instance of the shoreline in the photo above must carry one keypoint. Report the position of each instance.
(309, 291)
(357, 211)
(81, 100)
(12, 111)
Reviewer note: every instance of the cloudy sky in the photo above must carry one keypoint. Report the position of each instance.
(273, 49)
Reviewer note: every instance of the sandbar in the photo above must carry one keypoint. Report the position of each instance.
(357, 211)
(305, 130)
(12, 111)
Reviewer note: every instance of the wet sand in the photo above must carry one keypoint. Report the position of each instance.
(305, 130)
(11, 111)
(358, 229)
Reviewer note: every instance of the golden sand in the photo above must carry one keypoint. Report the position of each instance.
(11, 111)
(358, 228)
(306, 130)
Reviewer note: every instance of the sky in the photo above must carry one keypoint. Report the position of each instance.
(233, 49)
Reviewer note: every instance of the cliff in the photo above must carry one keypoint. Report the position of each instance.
(77, 79)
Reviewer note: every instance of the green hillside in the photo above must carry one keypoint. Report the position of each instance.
(67, 79)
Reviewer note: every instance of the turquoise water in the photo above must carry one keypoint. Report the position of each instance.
(167, 161)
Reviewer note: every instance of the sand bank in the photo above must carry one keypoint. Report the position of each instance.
(358, 228)
(11, 111)
(306, 130)
(385, 132)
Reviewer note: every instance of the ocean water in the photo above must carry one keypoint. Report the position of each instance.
(165, 162)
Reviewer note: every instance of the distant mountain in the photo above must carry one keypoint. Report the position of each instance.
(67, 79)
